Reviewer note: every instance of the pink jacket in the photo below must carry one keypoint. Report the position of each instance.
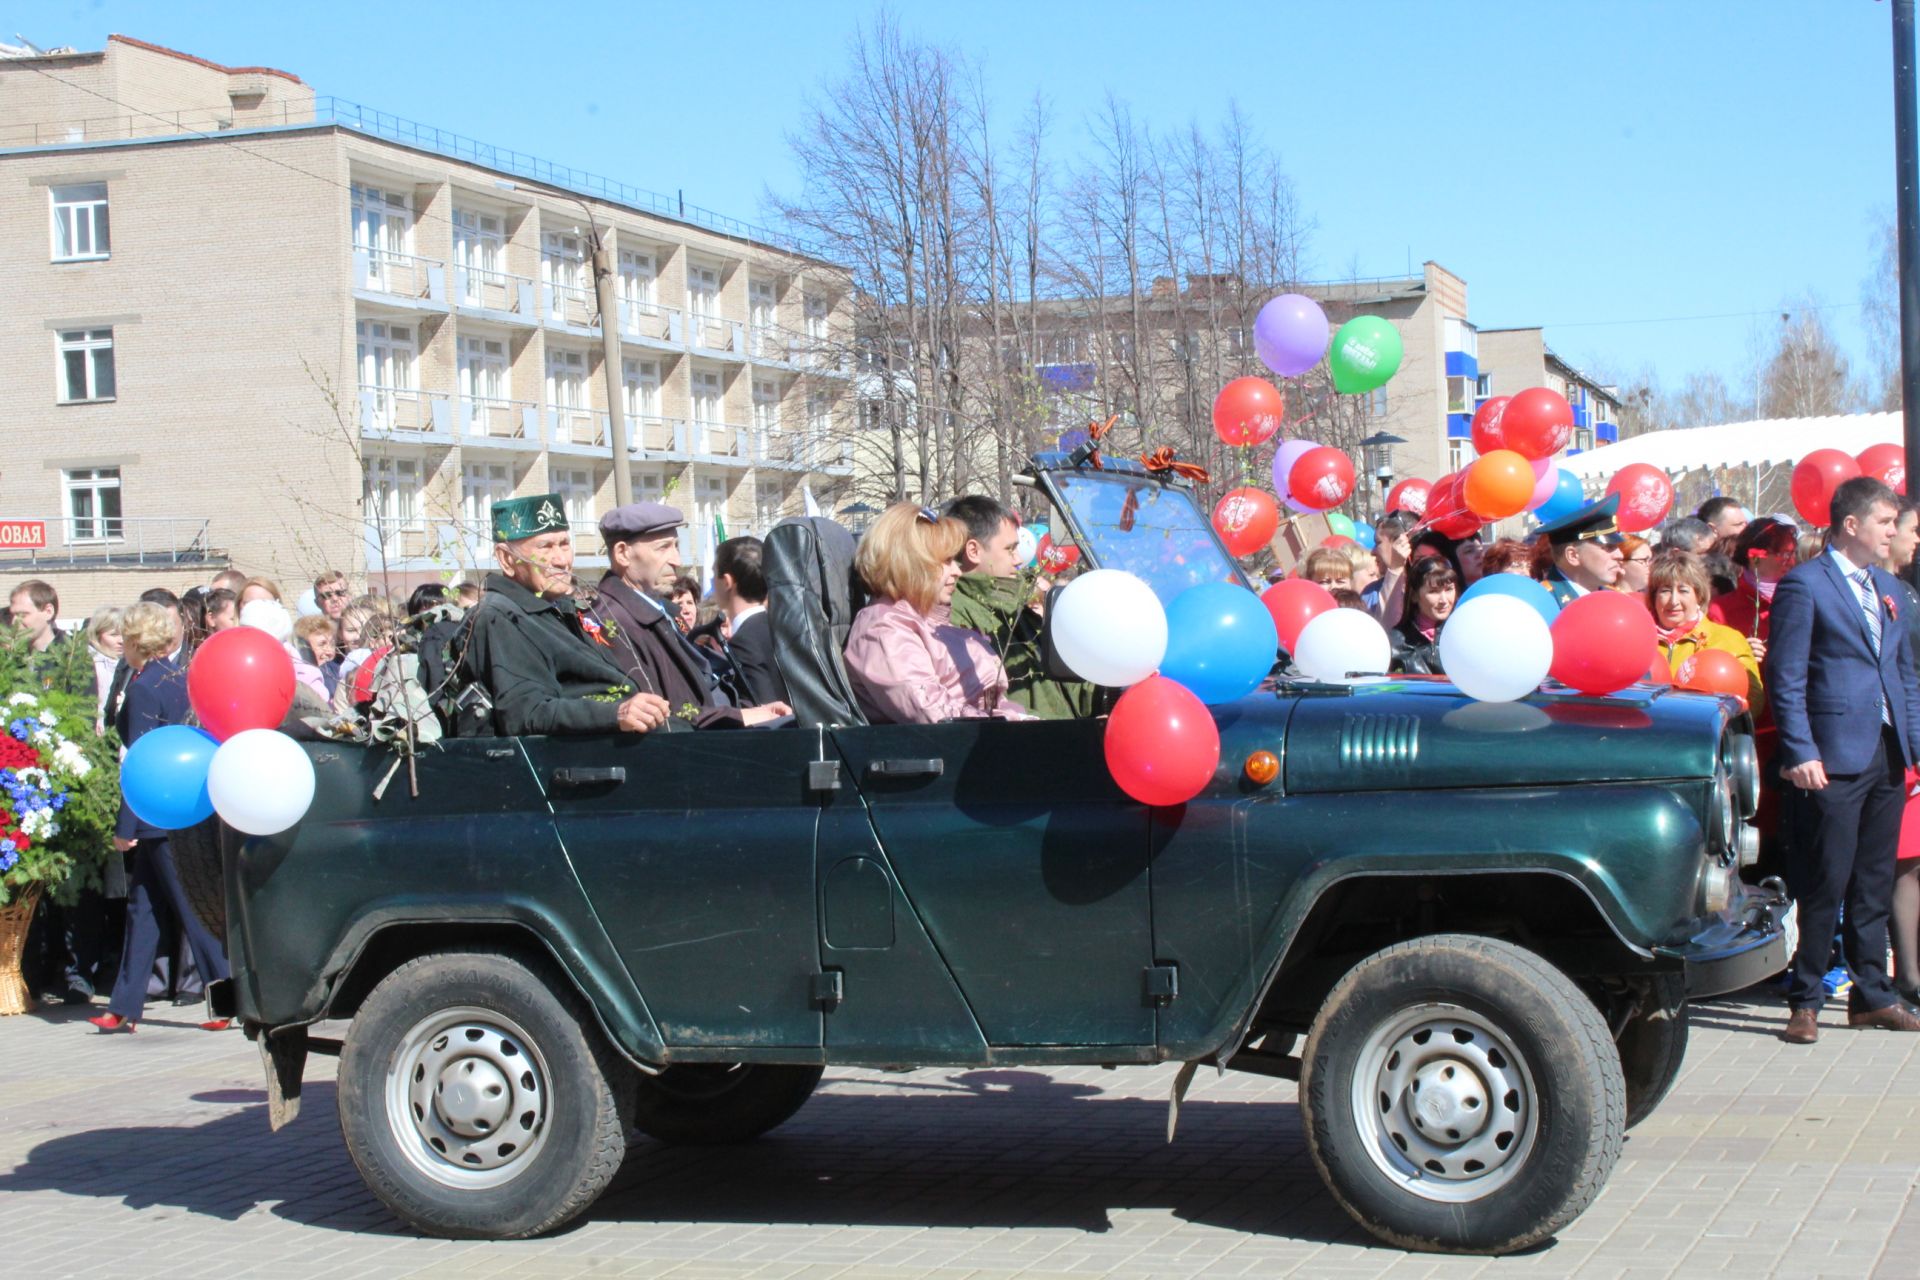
(908, 668)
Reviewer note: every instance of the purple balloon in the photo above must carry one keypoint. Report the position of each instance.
(1283, 459)
(1290, 334)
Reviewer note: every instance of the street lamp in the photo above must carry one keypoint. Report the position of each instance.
(1376, 452)
(858, 516)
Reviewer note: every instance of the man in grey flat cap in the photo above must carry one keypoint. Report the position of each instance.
(643, 548)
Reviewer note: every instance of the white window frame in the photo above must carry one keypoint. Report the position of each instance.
(813, 310)
(78, 213)
(763, 304)
(639, 276)
(650, 486)
(576, 489)
(395, 487)
(95, 349)
(707, 397)
(481, 485)
(96, 484)
(1483, 386)
(1376, 403)
(1459, 452)
(766, 404)
(567, 380)
(382, 221)
(768, 497)
(703, 291)
(480, 246)
(563, 260)
(640, 383)
(484, 369)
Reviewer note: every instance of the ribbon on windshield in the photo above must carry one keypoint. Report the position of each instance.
(1089, 452)
(1164, 459)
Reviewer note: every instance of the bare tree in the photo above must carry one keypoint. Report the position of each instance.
(1880, 313)
(1806, 375)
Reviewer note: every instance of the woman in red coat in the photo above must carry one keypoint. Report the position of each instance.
(1766, 550)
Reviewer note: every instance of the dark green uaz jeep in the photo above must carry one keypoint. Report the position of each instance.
(1469, 931)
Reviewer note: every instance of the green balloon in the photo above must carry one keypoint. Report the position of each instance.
(1340, 524)
(1365, 353)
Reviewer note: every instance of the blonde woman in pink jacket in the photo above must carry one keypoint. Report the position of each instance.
(907, 662)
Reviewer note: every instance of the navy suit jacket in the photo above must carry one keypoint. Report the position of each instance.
(756, 674)
(1823, 680)
(156, 696)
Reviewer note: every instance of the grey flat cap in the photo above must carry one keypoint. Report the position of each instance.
(638, 519)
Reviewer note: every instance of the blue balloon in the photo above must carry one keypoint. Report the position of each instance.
(1520, 588)
(164, 776)
(1363, 534)
(1221, 642)
(1567, 498)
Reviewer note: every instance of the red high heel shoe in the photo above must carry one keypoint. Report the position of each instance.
(112, 1022)
(218, 1024)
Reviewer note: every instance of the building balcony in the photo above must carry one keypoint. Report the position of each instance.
(495, 295)
(509, 424)
(399, 279)
(404, 413)
(650, 433)
(651, 323)
(568, 306)
(711, 441)
(117, 542)
(710, 335)
(575, 430)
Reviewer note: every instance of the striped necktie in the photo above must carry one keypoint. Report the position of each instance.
(1862, 580)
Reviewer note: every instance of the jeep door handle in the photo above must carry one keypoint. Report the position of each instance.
(928, 768)
(573, 777)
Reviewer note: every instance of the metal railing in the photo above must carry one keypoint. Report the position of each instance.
(566, 425)
(500, 419)
(486, 290)
(654, 434)
(394, 409)
(651, 321)
(88, 541)
(571, 304)
(404, 274)
(713, 333)
(214, 120)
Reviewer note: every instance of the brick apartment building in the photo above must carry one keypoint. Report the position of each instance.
(248, 326)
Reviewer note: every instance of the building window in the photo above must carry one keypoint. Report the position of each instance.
(480, 246)
(707, 397)
(639, 277)
(703, 291)
(650, 486)
(1459, 395)
(815, 308)
(767, 501)
(575, 487)
(382, 221)
(484, 373)
(1457, 454)
(567, 379)
(1375, 405)
(93, 504)
(80, 222)
(393, 494)
(760, 303)
(641, 379)
(1583, 438)
(1239, 340)
(386, 355)
(86, 365)
(563, 261)
(1483, 386)
(481, 485)
(766, 404)
(1458, 335)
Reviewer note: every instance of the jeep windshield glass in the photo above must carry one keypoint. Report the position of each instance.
(1152, 531)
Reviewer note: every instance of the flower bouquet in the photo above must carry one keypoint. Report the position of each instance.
(59, 795)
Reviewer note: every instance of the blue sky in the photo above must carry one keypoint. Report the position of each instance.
(1600, 168)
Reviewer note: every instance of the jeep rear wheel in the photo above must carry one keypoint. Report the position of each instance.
(1461, 1095)
(710, 1103)
(475, 1100)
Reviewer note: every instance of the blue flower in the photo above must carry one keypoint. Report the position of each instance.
(7, 856)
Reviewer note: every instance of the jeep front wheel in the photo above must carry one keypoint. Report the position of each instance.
(1461, 1095)
(704, 1103)
(476, 1101)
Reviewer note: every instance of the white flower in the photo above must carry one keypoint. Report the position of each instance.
(23, 700)
(43, 736)
(48, 719)
(36, 778)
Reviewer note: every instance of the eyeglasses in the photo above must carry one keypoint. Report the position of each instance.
(1646, 559)
(334, 593)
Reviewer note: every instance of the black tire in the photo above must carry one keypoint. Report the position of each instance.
(197, 855)
(467, 1021)
(1523, 1109)
(706, 1104)
(1653, 1046)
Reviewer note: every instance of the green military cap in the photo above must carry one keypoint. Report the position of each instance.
(517, 518)
(1596, 522)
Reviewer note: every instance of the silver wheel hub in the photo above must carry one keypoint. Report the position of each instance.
(467, 1097)
(1444, 1103)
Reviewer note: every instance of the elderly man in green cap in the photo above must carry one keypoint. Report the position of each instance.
(526, 644)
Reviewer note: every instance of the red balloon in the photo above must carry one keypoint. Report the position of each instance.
(1713, 671)
(1498, 484)
(1602, 642)
(1409, 495)
(1487, 433)
(1443, 499)
(1658, 673)
(1246, 520)
(1338, 540)
(1162, 745)
(1537, 423)
(240, 678)
(1886, 463)
(1321, 479)
(1056, 557)
(1247, 411)
(1815, 477)
(1459, 524)
(1294, 602)
(1646, 496)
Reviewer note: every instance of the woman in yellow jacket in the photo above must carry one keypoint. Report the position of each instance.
(1678, 590)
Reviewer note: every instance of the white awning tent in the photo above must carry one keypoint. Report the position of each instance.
(1770, 442)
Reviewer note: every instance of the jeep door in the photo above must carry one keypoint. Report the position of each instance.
(697, 851)
(1027, 866)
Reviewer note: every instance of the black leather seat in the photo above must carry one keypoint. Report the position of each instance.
(812, 595)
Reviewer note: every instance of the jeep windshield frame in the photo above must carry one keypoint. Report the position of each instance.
(1126, 518)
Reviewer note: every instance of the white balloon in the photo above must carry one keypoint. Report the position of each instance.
(1109, 628)
(261, 782)
(1496, 648)
(1341, 643)
(1025, 547)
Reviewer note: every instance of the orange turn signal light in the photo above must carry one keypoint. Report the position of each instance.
(1262, 767)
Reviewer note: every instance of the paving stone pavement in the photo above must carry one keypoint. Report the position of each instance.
(149, 1156)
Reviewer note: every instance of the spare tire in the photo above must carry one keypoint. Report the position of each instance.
(197, 855)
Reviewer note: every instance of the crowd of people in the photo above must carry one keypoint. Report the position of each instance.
(953, 628)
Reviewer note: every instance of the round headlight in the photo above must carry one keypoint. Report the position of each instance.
(1723, 818)
(1742, 763)
(1716, 887)
(1747, 845)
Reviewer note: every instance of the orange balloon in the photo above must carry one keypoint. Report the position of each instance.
(1713, 671)
(1499, 484)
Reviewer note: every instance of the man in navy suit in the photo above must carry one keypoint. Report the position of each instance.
(1842, 680)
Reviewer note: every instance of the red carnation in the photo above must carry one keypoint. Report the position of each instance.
(15, 754)
(20, 842)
